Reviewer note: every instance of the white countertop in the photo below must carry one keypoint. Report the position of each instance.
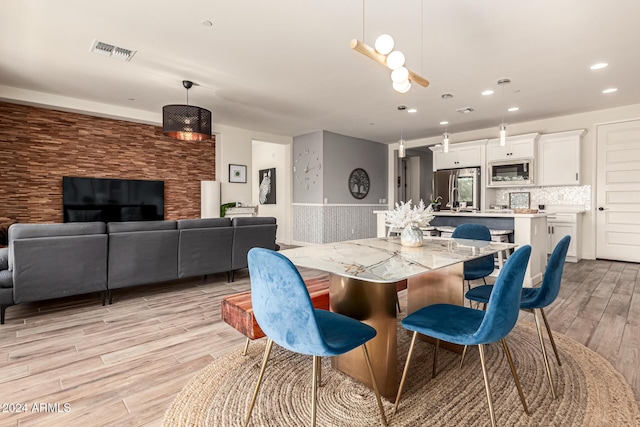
(493, 214)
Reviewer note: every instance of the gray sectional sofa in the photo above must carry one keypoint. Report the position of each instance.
(45, 261)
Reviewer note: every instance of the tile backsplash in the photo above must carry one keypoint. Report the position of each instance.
(567, 195)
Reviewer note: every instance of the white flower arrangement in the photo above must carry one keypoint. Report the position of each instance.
(419, 215)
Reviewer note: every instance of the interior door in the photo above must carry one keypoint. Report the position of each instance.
(618, 194)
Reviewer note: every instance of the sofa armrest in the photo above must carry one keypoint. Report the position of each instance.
(4, 258)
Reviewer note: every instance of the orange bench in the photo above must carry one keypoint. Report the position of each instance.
(237, 310)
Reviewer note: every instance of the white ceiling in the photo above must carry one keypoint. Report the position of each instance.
(285, 66)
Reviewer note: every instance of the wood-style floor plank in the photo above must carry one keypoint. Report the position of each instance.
(123, 364)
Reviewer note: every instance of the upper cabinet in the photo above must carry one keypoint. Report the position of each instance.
(517, 147)
(559, 158)
(460, 155)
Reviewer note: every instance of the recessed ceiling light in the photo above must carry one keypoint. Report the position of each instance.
(444, 123)
(487, 92)
(512, 109)
(412, 110)
(610, 90)
(207, 23)
(599, 65)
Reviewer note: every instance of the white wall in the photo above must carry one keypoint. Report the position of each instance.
(587, 121)
(266, 156)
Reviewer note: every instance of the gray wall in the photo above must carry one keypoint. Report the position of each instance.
(341, 217)
(342, 154)
(307, 150)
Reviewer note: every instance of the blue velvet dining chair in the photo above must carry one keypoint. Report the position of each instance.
(538, 298)
(468, 326)
(285, 313)
(478, 268)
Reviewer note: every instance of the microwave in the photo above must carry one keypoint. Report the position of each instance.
(511, 173)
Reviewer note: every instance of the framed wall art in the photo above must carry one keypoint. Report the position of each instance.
(267, 186)
(238, 173)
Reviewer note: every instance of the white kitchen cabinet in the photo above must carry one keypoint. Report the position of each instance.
(559, 158)
(461, 155)
(563, 224)
(516, 147)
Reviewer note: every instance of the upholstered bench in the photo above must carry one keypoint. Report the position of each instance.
(237, 310)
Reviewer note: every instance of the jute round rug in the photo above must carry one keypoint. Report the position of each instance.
(590, 392)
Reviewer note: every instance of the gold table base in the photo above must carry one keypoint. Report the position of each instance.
(375, 305)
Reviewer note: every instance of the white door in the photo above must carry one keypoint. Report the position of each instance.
(618, 195)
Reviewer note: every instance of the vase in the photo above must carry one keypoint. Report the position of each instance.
(411, 236)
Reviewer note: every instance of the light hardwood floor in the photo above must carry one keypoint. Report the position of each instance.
(123, 364)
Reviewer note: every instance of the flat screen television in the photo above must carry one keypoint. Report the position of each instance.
(110, 200)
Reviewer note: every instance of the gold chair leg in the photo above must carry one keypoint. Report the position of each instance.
(435, 359)
(374, 383)
(265, 359)
(544, 353)
(246, 346)
(553, 342)
(515, 375)
(404, 373)
(486, 385)
(320, 373)
(314, 390)
(464, 353)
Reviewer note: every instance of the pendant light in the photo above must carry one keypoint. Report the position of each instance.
(401, 148)
(186, 122)
(445, 136)
(503, 126)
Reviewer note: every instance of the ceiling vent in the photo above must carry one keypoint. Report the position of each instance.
(465, 110)
(106, 49)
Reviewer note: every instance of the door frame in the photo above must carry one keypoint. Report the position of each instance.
(594, 178)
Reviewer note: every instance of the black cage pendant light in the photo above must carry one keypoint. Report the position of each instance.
(186, 122)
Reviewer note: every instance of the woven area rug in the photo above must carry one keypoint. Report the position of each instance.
(590, 392)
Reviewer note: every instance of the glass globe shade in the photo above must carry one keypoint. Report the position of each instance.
(384, 44)
(395, 59)
(402, 87)
(400, 75)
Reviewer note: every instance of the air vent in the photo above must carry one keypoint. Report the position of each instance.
(106, 49)
(465, 110)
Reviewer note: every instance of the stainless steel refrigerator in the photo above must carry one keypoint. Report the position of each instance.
(460, 186)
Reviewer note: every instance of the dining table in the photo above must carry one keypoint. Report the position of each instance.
(364, 278)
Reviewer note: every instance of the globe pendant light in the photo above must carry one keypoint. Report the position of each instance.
(186, 122)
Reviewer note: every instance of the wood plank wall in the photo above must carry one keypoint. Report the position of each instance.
(39, 146)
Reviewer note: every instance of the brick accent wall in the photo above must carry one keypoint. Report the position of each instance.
(39, 146)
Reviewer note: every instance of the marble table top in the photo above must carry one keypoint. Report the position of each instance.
(385, 260)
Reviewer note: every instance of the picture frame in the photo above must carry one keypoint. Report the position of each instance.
(519, 200)
(238, 173)
(267, 186)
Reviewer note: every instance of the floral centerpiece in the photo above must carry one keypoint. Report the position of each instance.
(410, 219)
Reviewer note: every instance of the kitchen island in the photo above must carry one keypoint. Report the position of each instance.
(528, 229)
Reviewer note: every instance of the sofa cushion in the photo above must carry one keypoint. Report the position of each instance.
(126, 226)
(59, 266)
(23, 231)
(29, 231)
(203, 223)
(253, 220)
